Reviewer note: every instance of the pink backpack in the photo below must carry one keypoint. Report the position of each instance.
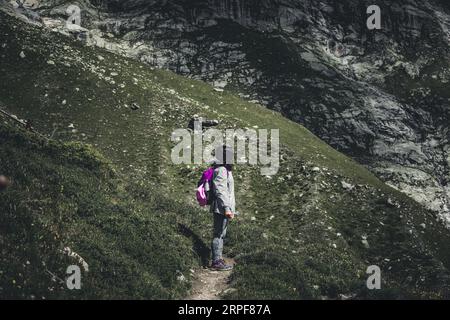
(204, 189)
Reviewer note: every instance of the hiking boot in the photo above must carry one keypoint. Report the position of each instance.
(220, 265)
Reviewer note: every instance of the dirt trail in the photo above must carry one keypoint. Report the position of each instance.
(209, 284)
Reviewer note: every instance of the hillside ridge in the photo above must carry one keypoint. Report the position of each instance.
(310, 232)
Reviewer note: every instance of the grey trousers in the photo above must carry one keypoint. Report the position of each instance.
(219, 232)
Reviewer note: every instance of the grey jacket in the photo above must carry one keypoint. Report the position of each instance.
(223, 191)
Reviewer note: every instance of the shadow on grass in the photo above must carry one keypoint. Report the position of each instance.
(199, 246)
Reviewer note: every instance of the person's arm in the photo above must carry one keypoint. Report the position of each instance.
(220, 184)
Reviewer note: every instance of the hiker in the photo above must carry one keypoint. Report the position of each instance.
(222, 205)
(205, 123)
(29, 125)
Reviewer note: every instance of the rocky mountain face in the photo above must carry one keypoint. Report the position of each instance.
(380, 96)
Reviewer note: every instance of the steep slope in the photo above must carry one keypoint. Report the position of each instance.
(66, 199)
(380, 96)
(311, 231)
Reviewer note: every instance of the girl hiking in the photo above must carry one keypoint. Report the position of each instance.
(222, 204)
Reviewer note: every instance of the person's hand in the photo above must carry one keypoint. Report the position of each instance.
(229, 215)
(4, 182)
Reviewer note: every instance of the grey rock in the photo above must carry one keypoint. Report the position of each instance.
(366, 93)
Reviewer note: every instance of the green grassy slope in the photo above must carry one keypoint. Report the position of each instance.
(134, 219)
(67, 195)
